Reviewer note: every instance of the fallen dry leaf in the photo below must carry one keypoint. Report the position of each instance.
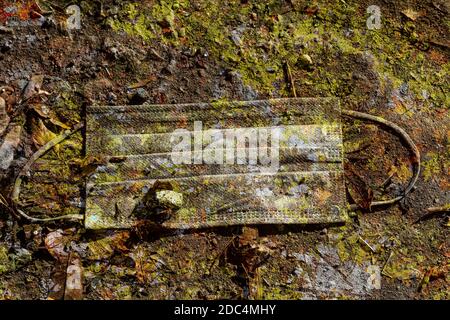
(58, 281)
(144, 264)
(46, 113)
(74, 279)
(56, 242)
(142, 83)
(41, 134)
(33, 87)
(311, 10)
(411, 14)
(105, 248)
(358, 189)
(248, 236)
(322, 196)
(432, 274)
(9, 146)
(4, 118)
(248, 254)
(88, 165)
(8, 94)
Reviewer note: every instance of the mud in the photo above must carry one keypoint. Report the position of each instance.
(162, 52)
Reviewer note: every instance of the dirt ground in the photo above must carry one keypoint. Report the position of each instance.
(207, 50)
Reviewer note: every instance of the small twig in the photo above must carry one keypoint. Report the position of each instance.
(109, 73)
(290, 78)
(391, 253)
(156, 54)
(3, 201)
(440, 44)
(433, 212)
(367, 244)
(442, 209)
(246, 272)
(387, 181)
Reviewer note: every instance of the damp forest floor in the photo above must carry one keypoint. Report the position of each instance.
(157, 51)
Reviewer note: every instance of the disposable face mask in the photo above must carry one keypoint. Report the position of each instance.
(276, 161)
(202, 165)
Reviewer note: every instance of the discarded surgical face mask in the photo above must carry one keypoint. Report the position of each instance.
(225, 163)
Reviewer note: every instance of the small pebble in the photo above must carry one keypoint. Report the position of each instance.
(169, 198)
(6, 30)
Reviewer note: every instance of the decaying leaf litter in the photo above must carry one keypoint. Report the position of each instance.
(177, 52)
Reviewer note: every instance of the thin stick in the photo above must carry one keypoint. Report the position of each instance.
(290, 79)
(367, 244)
(434, 212)
(391, 253)
(445, 208)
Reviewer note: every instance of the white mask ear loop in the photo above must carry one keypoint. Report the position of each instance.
(406, 138)
(25, 170)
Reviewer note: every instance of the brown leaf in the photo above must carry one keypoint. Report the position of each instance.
(247, 253)
(142, 83)
(41, 135)
(145, 264)
(248, 236)
(46, 112)
(105, 248)
(74, 280)
(358, 189)
(322, 196)
(33, 87)
(56, 242)
(9, 146)
(8, 94)
(411, 14)
(432, 274)
(58, 281)
(66, 278)
(88, 165)
(4, 118)
(311, 10)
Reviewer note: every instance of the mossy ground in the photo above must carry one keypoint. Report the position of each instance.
(192, 51)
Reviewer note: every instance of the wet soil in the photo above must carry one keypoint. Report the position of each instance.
(160, 52)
